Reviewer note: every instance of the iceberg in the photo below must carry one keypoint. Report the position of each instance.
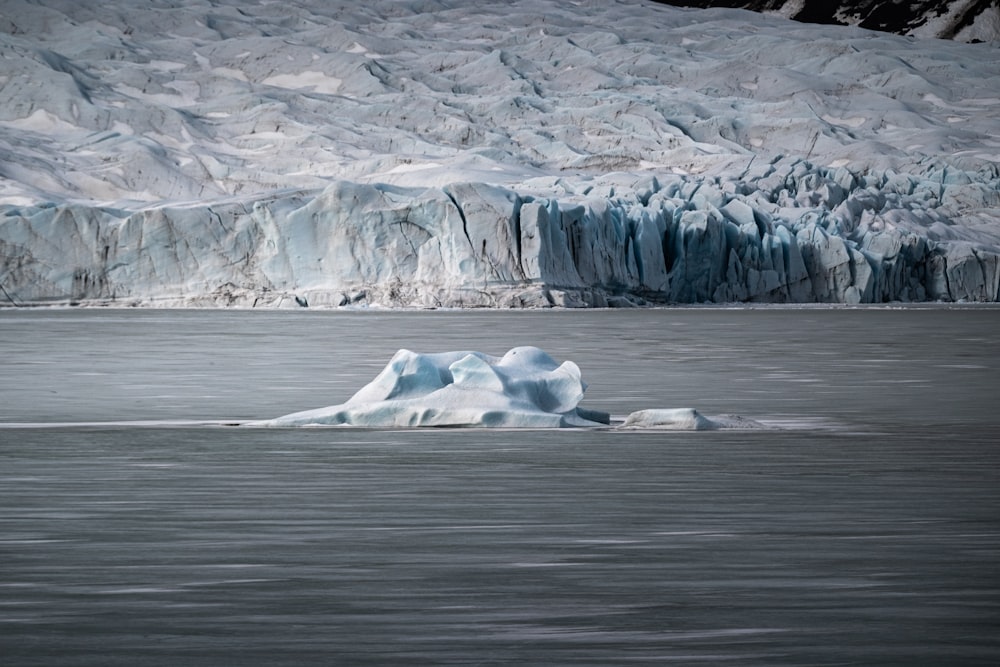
(525, 388)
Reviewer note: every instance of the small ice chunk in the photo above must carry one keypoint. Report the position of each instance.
(681, 419)
(687, 419)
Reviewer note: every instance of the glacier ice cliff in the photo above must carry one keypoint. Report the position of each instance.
(781, 232)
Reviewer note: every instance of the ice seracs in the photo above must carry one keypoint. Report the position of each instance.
(525, 388)
(781, 232)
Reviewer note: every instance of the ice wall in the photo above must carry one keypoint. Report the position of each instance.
(781, 232)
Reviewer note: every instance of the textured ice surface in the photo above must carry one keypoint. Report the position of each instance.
(783, 232)
(526, 154)
(525, 388)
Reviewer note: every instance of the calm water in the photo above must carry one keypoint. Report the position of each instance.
(865, 532)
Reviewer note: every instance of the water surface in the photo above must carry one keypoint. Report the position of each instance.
(868, 532)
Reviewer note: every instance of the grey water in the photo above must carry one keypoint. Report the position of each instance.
(136, 528)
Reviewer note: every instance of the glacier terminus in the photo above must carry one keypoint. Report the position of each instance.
(541, 154)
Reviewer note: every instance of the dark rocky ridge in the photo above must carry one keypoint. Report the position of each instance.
(885, 15)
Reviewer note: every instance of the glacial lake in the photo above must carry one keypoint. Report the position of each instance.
(136, 528)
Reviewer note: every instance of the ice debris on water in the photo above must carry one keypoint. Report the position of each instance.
(679, 418)
(686, 419)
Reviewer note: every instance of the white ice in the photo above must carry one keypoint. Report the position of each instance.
(686, 419)
(525, 388)
(571, 89)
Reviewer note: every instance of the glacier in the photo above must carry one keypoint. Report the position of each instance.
(789, 233)
(539, 154)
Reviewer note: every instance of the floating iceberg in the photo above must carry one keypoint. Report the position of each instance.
(525, 388)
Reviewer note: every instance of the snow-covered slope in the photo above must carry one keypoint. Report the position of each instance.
(525, 153)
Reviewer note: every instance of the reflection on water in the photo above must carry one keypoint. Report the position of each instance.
(869, 534)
